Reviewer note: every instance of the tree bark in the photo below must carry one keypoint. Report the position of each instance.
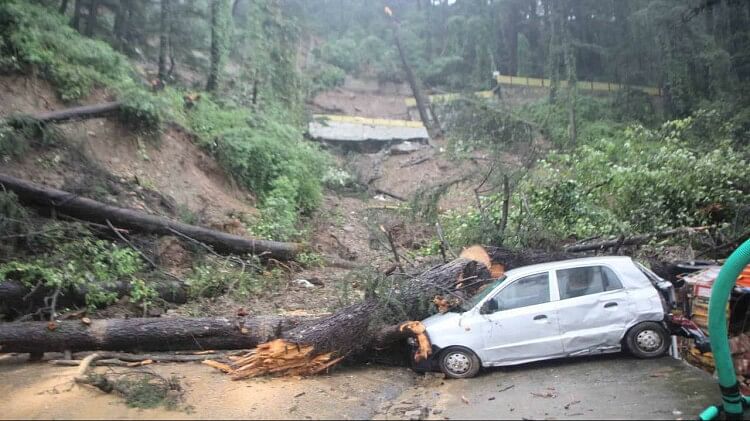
(91, 18)
(164, 39)
(315, 346)
(77, 113)
(137, 334)
(63, 7)
(17, 299)
(90, 210)
(75, 22)
(413, 84)
(634, 240)
(219, 29)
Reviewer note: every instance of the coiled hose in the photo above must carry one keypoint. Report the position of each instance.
(733, 402)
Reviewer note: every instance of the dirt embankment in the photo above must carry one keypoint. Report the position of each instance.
(101, 157)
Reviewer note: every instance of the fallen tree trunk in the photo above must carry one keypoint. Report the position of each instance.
(634, 240)
(315, 346)
(149, 334)
(77, 113)
(93, 211)
(17, 299)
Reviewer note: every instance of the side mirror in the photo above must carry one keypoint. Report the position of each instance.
(489, 307)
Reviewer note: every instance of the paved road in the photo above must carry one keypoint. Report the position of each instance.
(606, 387)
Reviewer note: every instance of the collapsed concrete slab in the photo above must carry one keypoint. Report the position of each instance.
(365, 134)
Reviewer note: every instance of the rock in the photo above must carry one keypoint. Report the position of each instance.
(303, 283)
(348, 228)
(405, 148)
(316, 281)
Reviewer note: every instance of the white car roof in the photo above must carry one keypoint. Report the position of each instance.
(615, 261)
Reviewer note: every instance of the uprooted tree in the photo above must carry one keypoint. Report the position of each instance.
(286, 346)
(389, 313)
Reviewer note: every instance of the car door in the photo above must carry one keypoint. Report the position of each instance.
(593, 309)
(522, 322)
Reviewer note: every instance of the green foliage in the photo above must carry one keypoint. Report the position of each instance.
(472, 123)
(32, 37)
(85, 262)
(325, 77)
(341, 53)
(213, 277)
(270, 160)
(646, 180)
(310, 260)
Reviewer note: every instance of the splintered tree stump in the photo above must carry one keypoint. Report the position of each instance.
(314, 347)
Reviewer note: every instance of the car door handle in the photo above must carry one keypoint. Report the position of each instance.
(608, 305)
(540, 317)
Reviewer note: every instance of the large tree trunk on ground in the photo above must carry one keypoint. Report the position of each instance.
(93, 211)
(77, 113)
(17, 299)
(151, 334)
(315, 346)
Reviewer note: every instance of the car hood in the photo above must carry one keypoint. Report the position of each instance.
(441, 321)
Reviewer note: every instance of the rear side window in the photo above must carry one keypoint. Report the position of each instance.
(577, 282)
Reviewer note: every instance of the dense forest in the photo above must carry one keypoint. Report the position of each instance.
(657, 168)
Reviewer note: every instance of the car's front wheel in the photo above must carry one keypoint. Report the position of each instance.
(459, 363)
(647, 340)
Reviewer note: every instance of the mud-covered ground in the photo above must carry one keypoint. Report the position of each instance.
(609, 387)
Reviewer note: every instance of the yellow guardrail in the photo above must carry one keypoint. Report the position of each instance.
(368, 121)
(586, 85)
(541, 83)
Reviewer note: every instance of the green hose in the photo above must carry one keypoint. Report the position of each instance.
(719, 334)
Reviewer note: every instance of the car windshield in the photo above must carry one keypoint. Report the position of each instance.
(477, 298)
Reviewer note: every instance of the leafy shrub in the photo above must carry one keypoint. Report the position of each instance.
(32, 36)
(342, 53)
(85, 263)
(326, 76)
(213, 277)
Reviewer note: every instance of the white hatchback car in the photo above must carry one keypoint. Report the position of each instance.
(552, 310)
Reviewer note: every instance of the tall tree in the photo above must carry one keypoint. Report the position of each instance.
(570, 67)
(164, 29)
(410, 77)
(93, 9)
(75, 22)
(219, 42)
(63, 7)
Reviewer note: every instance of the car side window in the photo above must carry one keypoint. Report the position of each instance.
(526, 291)
(577, 282)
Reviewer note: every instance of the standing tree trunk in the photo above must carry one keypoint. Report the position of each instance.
(555, 22)
(219, 42)
(511, 35)
(164, 39)
(570, 66)
(75, 22)
(412, 79)
(63, 7)
(91, 18)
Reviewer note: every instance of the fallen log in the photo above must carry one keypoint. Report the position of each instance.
(92, 211)
(75, 113)
(315, 346)
(17, 299)
(143, 334)
(633, 240)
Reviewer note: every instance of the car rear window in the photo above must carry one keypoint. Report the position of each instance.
(577, 282)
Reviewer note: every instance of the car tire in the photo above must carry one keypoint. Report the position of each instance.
(459, 363)
(647, 340)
